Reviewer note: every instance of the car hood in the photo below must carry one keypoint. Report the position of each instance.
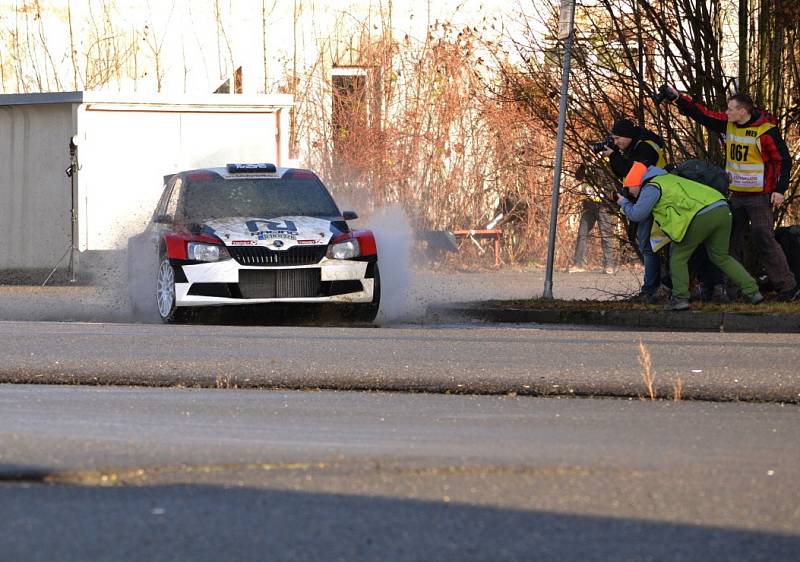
(274, 232)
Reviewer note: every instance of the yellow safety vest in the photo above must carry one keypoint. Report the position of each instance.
(662, 161)
(743, 160)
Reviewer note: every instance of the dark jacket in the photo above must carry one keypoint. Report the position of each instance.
(639, 151)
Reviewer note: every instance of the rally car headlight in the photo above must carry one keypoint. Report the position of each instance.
(199, 251)
(344, 250)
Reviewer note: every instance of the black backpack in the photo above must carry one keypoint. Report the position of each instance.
(789, 239)
(705, 173)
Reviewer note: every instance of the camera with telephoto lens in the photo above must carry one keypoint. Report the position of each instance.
(599, 146)
(663, 93)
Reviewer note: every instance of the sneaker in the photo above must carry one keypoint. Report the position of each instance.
(640, 297)
(755, 298)
(789, 295)
(661, 294)
(653, 298)
(676, 304)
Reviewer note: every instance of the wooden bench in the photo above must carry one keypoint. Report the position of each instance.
(474, 234)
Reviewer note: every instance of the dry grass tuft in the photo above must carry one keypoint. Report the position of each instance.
(224, 381)
(648, 374)
(676, 390)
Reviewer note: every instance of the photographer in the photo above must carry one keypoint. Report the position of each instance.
(758, 161)
(633, 144)
(630, 144)
(690, 214)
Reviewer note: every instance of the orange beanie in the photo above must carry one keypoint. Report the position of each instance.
(635, 175)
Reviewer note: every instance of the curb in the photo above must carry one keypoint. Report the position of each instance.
(694, 321)
(513, 387)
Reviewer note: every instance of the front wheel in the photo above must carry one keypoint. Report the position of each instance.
(165, 294)
(367, 312)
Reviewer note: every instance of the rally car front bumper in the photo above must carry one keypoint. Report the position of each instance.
(231, 283)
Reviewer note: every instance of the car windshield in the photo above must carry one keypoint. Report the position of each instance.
(263, 198)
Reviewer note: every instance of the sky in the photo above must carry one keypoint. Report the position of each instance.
(199, 42)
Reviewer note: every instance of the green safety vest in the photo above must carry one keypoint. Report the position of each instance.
(681, 199)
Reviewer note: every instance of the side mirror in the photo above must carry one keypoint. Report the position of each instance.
(349, 215)
(164, 219)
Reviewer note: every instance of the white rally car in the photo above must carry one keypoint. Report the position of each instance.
(249, 234)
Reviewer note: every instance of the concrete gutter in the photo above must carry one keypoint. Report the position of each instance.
(696, 321)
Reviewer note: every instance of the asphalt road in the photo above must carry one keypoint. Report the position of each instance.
(463, 359)
(220, 472)
(194, 474)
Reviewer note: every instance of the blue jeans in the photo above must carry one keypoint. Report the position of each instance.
(652, 264)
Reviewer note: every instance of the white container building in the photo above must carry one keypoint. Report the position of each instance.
(101, 158)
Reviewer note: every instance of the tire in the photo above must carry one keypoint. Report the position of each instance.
(165, 294)
(369, 311)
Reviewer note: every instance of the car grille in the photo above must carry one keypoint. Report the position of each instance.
(264, 257)
(279, 283)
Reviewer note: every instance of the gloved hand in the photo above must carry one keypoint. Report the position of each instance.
(670, 93)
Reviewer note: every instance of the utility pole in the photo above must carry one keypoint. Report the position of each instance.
(565, 34)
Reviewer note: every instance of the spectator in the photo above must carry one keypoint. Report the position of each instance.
(690, 214)
(637, 144)
(758, 161)
(592, 213)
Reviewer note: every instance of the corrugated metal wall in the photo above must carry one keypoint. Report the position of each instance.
(35, 197)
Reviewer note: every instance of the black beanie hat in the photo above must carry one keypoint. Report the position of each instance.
(625, 128)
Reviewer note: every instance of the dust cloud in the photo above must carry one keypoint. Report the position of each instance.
(395, 238)
(100, 293)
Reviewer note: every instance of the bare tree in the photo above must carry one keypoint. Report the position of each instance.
(155, 43)
(72, 48)
(265, 15)
(623, 50)
(226, 61)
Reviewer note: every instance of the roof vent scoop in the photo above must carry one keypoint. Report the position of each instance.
(252, 168)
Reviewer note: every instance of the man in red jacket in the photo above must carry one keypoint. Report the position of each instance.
(758, 161)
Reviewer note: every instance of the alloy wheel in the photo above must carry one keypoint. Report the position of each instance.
(165, 290)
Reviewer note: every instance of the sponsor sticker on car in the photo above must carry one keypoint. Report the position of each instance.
(270, 235)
